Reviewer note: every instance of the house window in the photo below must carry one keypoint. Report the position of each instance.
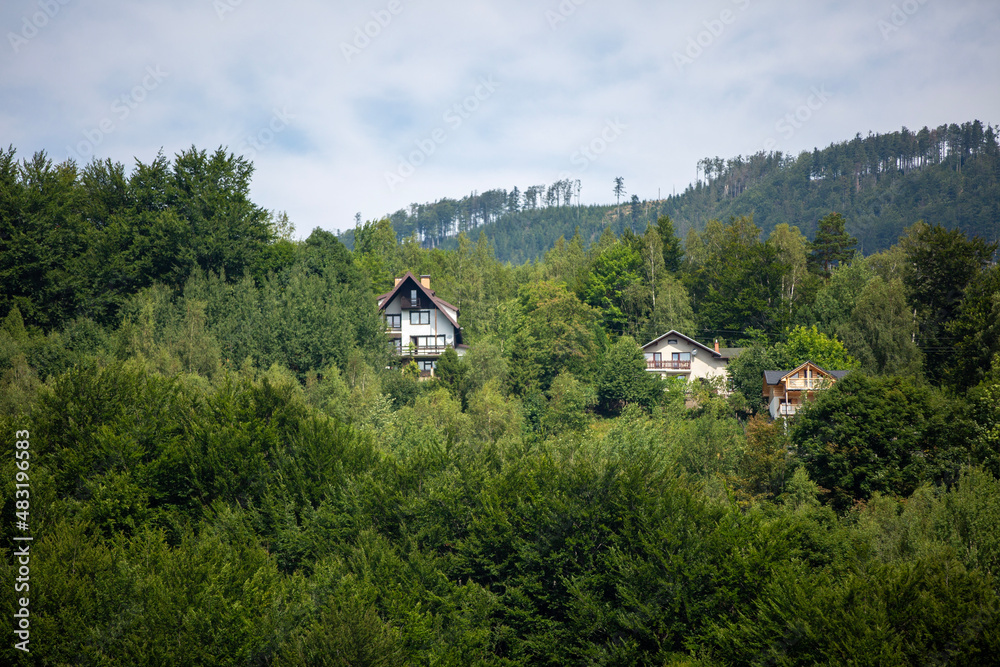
(427, 364)
(413, 296)
(394, 321)
(429, 341)
(420, 317)
(671, 341)
(397, 345)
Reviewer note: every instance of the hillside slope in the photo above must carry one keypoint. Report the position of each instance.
(881, 183)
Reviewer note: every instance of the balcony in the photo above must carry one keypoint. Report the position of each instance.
(806, 383)
(424, 351)
(668, 365)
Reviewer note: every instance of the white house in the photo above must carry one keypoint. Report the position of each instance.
(419, 324)
(675, 355)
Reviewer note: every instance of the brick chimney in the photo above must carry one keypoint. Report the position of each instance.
(425, 281)
(717, 346)
(398, 280)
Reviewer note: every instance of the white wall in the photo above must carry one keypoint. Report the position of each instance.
(439, 323)
(703, 363)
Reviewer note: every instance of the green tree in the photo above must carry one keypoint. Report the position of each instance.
(765, 463)
(833, 245)
(672, 311)
(42, 238)
(569, 400)
(493, 416)
(983, 406)
(941, 264)
(622, 379)
(875, 434)
(836, 299)
(975, 331)
(556, 333)
(211, 193)
(808, 344)
(738, 285)
(651, 249)
(566, 261)
(614, 287)
(672, 250)
(376, 251)
(881, 329)
(798, 285)
(485, 361)
(453, 372)
(878, 614)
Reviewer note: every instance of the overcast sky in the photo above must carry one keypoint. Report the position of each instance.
(371, 105)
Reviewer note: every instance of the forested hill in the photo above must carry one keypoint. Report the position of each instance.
(211, 432)
(881, 183)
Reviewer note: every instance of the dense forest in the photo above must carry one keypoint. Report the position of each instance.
(881, 183)
(223, 463)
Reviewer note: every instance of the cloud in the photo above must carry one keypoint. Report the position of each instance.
(563, 70)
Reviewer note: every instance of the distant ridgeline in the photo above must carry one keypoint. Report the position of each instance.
(881, 183)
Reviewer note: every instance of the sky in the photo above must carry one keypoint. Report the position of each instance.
(369, 106)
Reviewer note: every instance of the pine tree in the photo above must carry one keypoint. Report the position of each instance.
(832, 244)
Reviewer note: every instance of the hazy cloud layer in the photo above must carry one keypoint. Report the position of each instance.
(380, 104)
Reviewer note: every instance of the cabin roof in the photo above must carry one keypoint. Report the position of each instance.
(777, 377)
(442, 305)
(678, 334)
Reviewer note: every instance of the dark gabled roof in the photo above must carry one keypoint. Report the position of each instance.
(385, 299)
(441, 301)
(731, 352)
(678, 334)
(774, 377)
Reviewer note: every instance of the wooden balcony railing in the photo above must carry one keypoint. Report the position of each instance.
(668, 365)
(805, 383)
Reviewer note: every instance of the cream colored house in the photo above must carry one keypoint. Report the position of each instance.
(675, 355)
